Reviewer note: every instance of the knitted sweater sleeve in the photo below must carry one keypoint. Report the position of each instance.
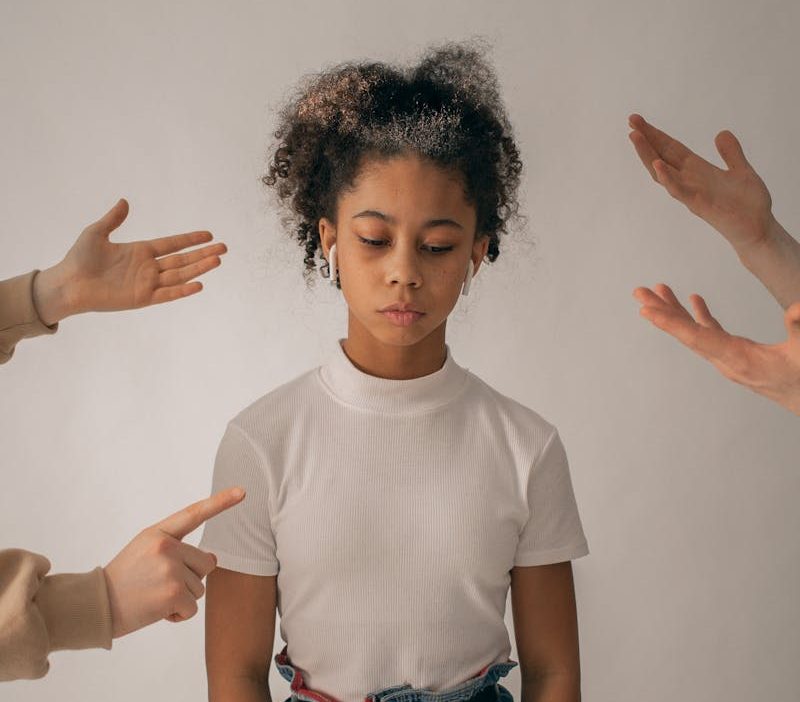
(18, 316)
(40, 613)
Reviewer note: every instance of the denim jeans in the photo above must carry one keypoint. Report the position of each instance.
(482, 687)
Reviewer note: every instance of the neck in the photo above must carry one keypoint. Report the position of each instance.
(392, 361)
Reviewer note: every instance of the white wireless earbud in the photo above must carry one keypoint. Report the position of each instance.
(468, 278)
(332, 264)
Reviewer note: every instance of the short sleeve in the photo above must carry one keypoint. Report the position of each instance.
(241, 537)
(553, 532)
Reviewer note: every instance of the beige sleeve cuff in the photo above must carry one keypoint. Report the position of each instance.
(18, 316)
(76, 610)
(41, 613)
(23, 636)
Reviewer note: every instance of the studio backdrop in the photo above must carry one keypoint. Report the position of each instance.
(687, 484)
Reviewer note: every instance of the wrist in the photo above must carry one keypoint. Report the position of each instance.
(52, 295)
(116, 627)
(764, 239)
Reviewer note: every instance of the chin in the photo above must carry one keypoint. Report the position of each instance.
(400, 336)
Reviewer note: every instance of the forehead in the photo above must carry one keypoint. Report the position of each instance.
(408, 186)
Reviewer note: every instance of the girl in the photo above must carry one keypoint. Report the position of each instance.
(393, 496)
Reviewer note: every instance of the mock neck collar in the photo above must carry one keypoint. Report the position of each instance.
(384, 395)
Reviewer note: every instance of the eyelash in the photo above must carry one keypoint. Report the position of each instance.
(377, 242)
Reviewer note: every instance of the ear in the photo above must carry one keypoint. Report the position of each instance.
(479, 249)
(327, 235)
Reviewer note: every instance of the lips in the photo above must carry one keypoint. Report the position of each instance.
(402, 318)
(400, 307)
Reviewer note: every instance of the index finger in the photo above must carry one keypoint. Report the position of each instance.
(176, 242)
(669, 149)
(189, 518)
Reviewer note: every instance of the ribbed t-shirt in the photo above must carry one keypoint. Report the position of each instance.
(392, 512)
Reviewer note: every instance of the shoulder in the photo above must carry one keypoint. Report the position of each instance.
(281, 407)
(519, 422)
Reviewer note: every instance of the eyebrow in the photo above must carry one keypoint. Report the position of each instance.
(388, 218)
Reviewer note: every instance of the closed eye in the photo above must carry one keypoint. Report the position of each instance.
(371, 242)
(439, 249)
(379, 242)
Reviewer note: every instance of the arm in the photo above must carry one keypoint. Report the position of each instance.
(40, 613)
(775, 261)
(155, 576)
(546, 630)
(240, 631)
(97, 275)
(736, 202)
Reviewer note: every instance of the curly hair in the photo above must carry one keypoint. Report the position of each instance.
(446, 109)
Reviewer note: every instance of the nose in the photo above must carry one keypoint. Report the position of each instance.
(403, 267)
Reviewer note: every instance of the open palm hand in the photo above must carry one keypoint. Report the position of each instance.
(772, 370)
(735, 202)
(105, 276)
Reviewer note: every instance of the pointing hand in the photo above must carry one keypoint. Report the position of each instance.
(156, 576)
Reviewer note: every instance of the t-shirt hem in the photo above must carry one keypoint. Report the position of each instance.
(556, 555)
(242, 565)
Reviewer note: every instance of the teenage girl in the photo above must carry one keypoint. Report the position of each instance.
(393, 496)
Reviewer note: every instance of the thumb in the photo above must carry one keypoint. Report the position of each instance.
(110, 220)
(731, 150)
(791, 318)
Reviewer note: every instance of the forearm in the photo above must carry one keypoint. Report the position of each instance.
(238, 689)
(775, 261)
(553, 687)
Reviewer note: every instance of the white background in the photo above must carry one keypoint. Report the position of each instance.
(687, 483)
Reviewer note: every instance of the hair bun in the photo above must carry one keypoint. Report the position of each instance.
(462, 67)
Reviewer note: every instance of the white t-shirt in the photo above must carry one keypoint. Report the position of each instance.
(392, 512)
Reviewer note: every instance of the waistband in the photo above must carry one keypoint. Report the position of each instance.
(482, 684)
